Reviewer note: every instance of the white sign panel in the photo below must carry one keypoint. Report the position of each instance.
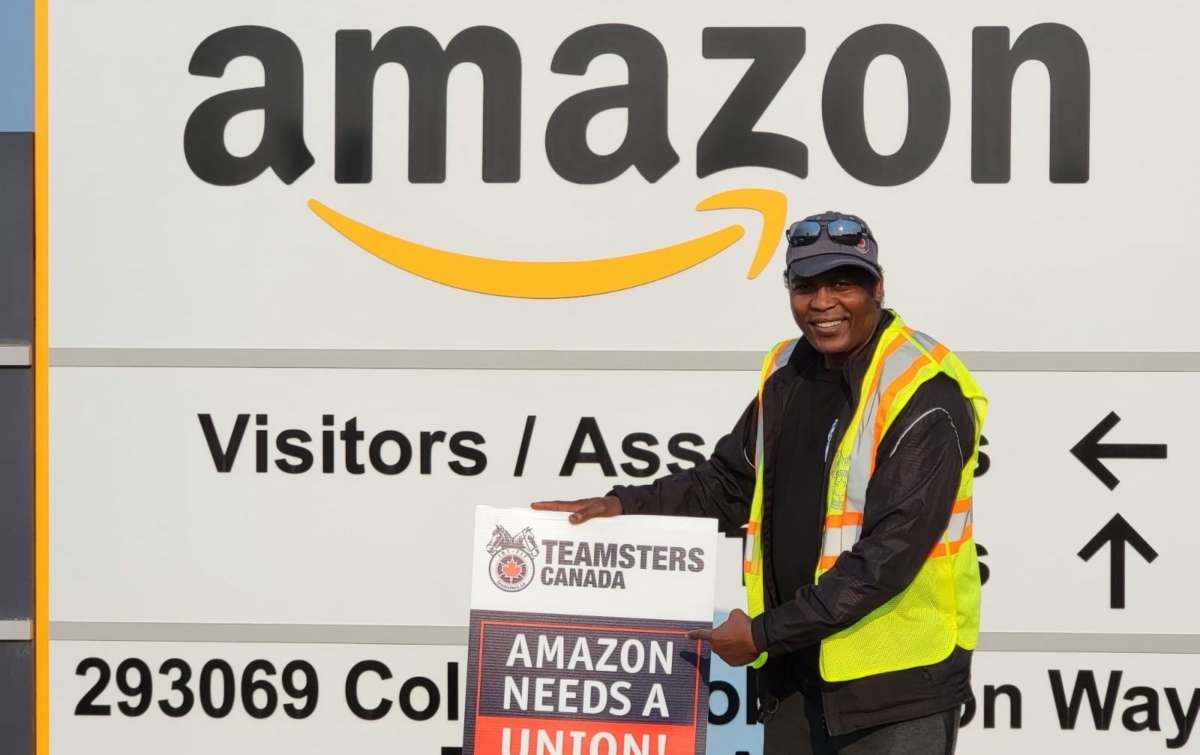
(188, 518)
(367, 174)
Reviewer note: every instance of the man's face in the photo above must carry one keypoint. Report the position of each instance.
(838, 310)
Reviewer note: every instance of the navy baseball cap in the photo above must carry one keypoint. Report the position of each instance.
(820, 243)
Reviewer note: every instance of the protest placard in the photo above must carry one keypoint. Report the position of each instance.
(578, 635)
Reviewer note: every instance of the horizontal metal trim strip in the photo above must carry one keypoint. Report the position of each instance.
(102, 631)
(14, 355)
(546, 359)
(338, 634)
(1051, 642)
(16, 630)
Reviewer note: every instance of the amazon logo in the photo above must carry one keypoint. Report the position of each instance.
(730, 140)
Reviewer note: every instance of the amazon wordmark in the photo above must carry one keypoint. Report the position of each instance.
(730, 139)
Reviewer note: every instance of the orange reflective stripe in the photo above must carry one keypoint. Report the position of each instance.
(846, 517)
(747, 567)
(751, 528)
(961, 505)
(827, 562)
(939, 353)
(949, 549)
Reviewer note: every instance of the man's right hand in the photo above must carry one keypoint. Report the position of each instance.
(583, 509)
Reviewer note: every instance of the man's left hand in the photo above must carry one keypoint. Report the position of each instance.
(733, 640)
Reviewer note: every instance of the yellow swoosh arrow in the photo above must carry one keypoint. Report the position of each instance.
(535, 279)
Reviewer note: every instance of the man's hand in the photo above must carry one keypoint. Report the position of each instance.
(583, 509)
(733, 640)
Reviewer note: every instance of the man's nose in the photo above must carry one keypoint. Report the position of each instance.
(823, 298)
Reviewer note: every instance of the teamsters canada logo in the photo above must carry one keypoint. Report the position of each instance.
(511, 567)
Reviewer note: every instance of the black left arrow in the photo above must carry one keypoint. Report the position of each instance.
(1090, 450)
(1117, 533)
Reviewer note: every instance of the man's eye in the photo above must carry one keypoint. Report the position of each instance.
(842, 285)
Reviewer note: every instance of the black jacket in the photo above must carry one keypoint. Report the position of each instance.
(908, 506)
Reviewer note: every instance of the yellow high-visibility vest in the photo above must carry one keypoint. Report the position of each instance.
(940, 608)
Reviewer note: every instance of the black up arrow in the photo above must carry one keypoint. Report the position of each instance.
(1117, 533)
(1090, 450)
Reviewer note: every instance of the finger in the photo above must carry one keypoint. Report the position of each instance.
(592, 509)
(700, 634)
(556, 505)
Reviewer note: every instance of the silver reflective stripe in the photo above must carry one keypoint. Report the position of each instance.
(924, 340)
(831, 545)
(781, 358)
(958, 525)
(861, 456)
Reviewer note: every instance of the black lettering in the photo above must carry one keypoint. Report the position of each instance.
(434, 698)
(223, 458)
(588, 431)
(695, 559)
(87, 705)
(566, 552)
(1186, 721)
(376, 452)
(327, 438)
(1085, 685)
(678, 557)
(428, 439)
(459, 448)
(1065, 55)
(352, 701)
(985, 462)
(630, 448)
(990, 694)
(428, 67)
(291, 443)
(676, 446)
(660, 558)
(731, 702)
(452, 691)
(261, 445)
(351, 436)
(928, 105)
(606, 554)
(1148, 708)
(730, 140)
(627, 557)
(647, 146)
(280, 98)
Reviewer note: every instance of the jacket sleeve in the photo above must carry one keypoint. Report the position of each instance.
(908, 506)
(720, 487)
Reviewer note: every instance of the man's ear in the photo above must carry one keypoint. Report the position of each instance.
(878, 292)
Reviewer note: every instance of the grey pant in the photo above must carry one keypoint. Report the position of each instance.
(797, 728)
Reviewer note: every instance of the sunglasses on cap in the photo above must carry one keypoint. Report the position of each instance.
(839, 230)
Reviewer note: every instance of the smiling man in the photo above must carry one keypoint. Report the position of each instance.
(850, 474)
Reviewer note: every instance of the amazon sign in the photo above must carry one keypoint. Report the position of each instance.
(729, 141)
(545, 176)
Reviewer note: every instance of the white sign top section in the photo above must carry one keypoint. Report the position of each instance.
(146, 252)
(643, 567)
